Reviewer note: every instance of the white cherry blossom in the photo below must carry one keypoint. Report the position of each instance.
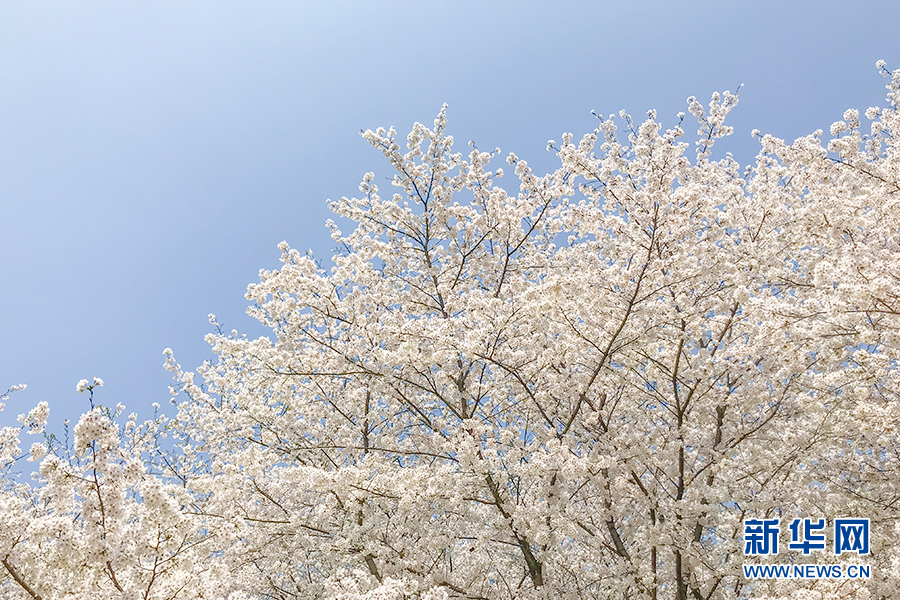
(575, 385)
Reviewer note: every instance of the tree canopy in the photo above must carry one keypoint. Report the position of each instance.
(573, 385)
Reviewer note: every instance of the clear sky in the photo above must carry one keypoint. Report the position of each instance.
(153, 154)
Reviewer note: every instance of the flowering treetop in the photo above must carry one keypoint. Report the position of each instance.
(577, 385)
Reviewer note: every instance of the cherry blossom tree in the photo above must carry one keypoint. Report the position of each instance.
(104, 524)
(579, 385)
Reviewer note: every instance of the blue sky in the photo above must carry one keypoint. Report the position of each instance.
(153, 154)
